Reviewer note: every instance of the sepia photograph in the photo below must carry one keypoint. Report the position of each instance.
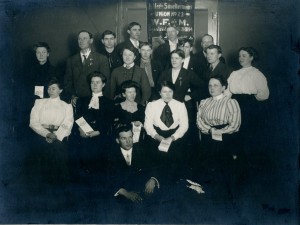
(149, 112)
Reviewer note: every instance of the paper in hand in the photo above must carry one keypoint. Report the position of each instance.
(39, 91)
(85, 127)
(164, 145)
(216, 136)
(63, 131)
(136, 132)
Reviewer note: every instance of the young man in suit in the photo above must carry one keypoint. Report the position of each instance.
(127, 167)
(109, 42)
(152, 68)
(190, 61)
(162, 52)
(80, 65)
(134, 31)
(216, 66)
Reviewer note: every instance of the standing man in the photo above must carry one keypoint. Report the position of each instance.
(216, 66)
(152, 68)
(80, 65)
(134, 31)
(109, 42)
(190, 61)
(162, 53)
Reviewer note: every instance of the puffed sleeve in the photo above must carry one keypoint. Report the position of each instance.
(69, 119)
(183, 123)
(35, 119)
(149, 119)
(234, 117)
(204, 128)
(261, 86)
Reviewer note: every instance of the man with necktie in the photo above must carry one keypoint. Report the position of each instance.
(152, 68)
(128, 170)
(80, 65)
(134, 31)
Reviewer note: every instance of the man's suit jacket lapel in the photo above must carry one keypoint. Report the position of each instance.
(180, 78)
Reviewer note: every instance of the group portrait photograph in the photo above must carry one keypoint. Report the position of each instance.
(150, 112)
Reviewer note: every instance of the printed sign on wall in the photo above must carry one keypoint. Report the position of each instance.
(162, 13)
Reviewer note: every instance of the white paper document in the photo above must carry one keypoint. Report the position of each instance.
(136, 132)
(215, 136)
(39, 91)
(62, 131)
(164, 145)
(85, 127)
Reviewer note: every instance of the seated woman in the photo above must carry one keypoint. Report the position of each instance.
(97, 110)
(129, 111)
(52, 119)
(167, 121)
(249, 87)
(129, 71)
(218, 119)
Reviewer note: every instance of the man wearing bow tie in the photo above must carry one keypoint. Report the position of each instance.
(128, 170)
(134, 31)
(80, 65)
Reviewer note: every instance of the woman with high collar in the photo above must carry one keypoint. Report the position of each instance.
(130, 71)
(52, 119)
(97, 110)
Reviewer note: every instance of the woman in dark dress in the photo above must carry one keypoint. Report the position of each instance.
(97, 110)
(129, 111)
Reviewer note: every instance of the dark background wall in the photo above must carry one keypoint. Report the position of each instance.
(271, 26)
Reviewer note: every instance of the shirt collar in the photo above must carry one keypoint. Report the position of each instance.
(87, 53)
(130, 66)
(134, 42)
(126, 152)
(218, 97)
(97, 94)
(172, 43)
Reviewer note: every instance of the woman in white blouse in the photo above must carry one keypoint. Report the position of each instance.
(250, 88)
(166, 120)
(52, 120)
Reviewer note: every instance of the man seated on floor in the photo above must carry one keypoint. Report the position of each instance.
(128, 169)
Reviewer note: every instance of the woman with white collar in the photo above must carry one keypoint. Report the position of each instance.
(97, 110)
(132, 72)
(218, 119)
(52, 119)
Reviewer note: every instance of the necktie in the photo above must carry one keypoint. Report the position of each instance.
(110, 60)
(149, 73)
(166, 116)
(84, 60)
(128, 160)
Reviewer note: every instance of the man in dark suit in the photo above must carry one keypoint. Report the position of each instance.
(162, 52)
(127, 167)
(216, 66)
(109, 42)
(134, 31)
(152, 68)
(80, 65)
(191, 61)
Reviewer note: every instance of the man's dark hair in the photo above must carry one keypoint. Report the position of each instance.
(108, 32)
(121, 128)
(219, 49)
(132, 24)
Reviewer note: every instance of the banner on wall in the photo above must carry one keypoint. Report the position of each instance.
(161, 13)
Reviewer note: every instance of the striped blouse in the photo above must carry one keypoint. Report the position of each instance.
(219, 110)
